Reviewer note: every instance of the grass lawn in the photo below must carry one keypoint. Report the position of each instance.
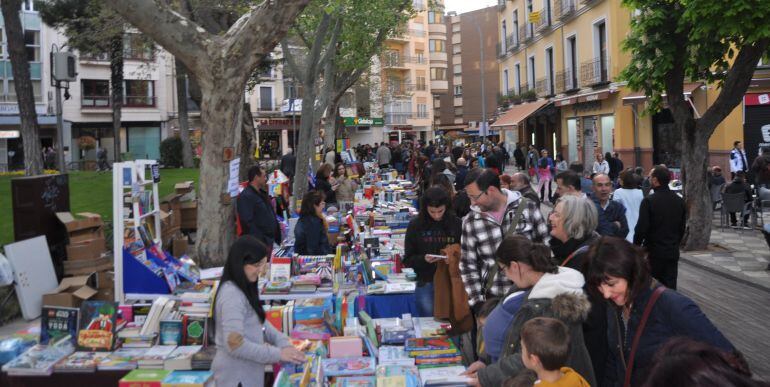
(89, 192)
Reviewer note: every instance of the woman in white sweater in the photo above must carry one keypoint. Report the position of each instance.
(630, 196)
(245, 341)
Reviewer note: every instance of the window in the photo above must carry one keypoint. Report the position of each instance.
(570, 73)
(516, 27)
(436, 45)
(455, 27)
(422, 110)
(600, 52)
(549, 70)
(437, 74)
(420, 83)
(32, 41)
(456, 48)
(2, 43)
(137, 46)
(458, 68)
(531, 72)
(503, 38)
(436, 17)
(458, 90)
(420, 56)
(95, 93)
(517, 78)
(506, 88)
(458, 111)
(28, 5)
(265, 98)
(139, 93)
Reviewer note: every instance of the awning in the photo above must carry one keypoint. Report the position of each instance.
(585, 97)
(16, 120)
(519, 113)
(639, 97)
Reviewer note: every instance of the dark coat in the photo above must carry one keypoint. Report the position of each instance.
(460, 178)
(310, 237)
(530, 194)
(324, 186)
(661, 224)
(429, 237)
(569, 308)
(257, 217)
(615, 212)
(288, 164)
(673, 315)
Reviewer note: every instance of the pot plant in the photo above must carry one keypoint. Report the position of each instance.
(529, 96)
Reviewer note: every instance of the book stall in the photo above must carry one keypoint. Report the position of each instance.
(147, 321)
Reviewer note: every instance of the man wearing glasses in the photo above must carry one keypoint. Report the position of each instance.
(494, 214)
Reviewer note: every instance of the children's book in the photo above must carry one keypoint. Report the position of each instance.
(443, 376)
(194, 329)
(188, 379)
(121, 359)
(356, 381)
(144, 378)
(397, 376)
(394, 355)
(429, 346)
(80, 362)
(57, 322)
(97, 326)
(350, 366)
(38, 360)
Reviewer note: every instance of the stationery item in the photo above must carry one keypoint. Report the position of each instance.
(57, 322)
(348, 366)
(97, 326)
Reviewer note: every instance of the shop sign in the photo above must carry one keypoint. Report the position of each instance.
(588, 106)
(364, 121)
(292, 106)
(5, 134)
(534, 17)
(754, 99)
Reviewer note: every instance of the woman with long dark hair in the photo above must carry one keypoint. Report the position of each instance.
(246, 343)
(325, 182)
(619, 271)
(346, 187)
(431, 231)
(310, 232)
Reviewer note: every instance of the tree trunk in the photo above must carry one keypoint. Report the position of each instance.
(306, 147)
(330, 127)
(696, 188)
(182, 116)
(17, 50)
(221, 108)
(116, 88)
(248, 145)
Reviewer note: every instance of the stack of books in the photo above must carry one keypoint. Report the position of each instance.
(181, 358)
(277, 287)
(202, 360)
(80, 362)
(38, 360)
(121, 359)
(155, 357)
(433, 351)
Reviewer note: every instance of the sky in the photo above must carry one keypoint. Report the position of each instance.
(462, 6)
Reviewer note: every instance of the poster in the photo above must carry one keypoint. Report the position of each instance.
(232, 182)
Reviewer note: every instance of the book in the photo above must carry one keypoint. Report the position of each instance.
(311, 331)
(37, 360)
(121, 359)
(188, 379)
(98, 323)
(140, 312)
(457, 359)
(194, 330)
(144, 378)
(202, 360)
(181, 357)
(80, 361)
(429, 345)
(348, 366)
(397, 376)
(57, 322)
(356, 381)
(303, 289)
(280, 269)
(170, 332)
(443, 376)
(155, 356)
(277, 287)
(394, 355)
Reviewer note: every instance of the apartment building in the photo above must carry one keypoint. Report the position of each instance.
(559, 66)
(459, 112)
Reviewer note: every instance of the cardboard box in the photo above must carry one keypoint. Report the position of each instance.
(184, 187)
(105, 280)
(88, 226)
(179, 246)
(104, 295)
(70, 293)
(89, 249)
(88, 266)
(189, 212)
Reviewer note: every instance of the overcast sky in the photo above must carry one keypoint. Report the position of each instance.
(462, 6)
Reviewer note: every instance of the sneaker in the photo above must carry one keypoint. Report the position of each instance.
(733, 226)
(746, 227)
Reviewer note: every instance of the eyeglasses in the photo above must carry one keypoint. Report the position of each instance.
(475, 197)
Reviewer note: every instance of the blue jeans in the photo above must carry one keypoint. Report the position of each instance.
(424, 299)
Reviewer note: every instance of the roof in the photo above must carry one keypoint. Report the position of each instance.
(638, 96)
(519, 112)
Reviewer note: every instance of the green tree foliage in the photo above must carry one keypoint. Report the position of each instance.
(675, 41)
(171, 152)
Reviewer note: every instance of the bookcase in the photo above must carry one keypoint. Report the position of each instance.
(136, 218)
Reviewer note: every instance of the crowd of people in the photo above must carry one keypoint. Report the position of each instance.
(584, 296)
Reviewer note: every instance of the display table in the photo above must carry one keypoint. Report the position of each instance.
(390, 305)
(98, 378)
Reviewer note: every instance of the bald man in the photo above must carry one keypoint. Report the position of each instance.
(520, 182)
(612, 214)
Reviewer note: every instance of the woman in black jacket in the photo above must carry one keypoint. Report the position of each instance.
(432, 230)
(325, 183)
(310, 232)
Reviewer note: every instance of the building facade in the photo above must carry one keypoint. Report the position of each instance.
(560, 62)
(473, 40)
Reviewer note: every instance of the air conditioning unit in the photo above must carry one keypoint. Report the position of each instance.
(64, 66)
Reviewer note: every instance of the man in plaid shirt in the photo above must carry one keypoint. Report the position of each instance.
(484, 228)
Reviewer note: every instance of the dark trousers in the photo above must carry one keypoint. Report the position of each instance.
(665, 270)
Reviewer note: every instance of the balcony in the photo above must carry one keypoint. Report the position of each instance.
(439, 86)
(399, 35)
(437, 29)
(544, 87)
(544, 23)
(511, 42)
(268, 105)
(399, 88)
(564, 9)
(93, 57)
(398, 118)
(595, 72)
(396, 60)
(526, 32)
(95, 101)
(566, 81)
(438, 57)
(138, 101)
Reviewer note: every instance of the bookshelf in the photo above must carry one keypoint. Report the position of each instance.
(136, 213)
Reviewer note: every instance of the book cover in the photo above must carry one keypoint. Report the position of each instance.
(443, 376)
(121, 359)
(170, 332)
(97, 326)
(144, 378)
(311, 332)
(140, 312)
(280, 269)
(80, 362)
(394, 355)
(348, 366)
(181, 357)
(275, 317)
(194, 330)
(38, 360)
(356, 381)
(428, 344)
(397, 376)
(57, 322)
(187, 379)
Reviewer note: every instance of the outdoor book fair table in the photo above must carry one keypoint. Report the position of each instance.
(353, 312)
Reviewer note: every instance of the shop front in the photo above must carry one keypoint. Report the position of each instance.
(274, 136)
(590, 122)
(12, 145)
(756, 126)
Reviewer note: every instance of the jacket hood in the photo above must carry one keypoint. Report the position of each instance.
(566, 280)
(513, 196)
